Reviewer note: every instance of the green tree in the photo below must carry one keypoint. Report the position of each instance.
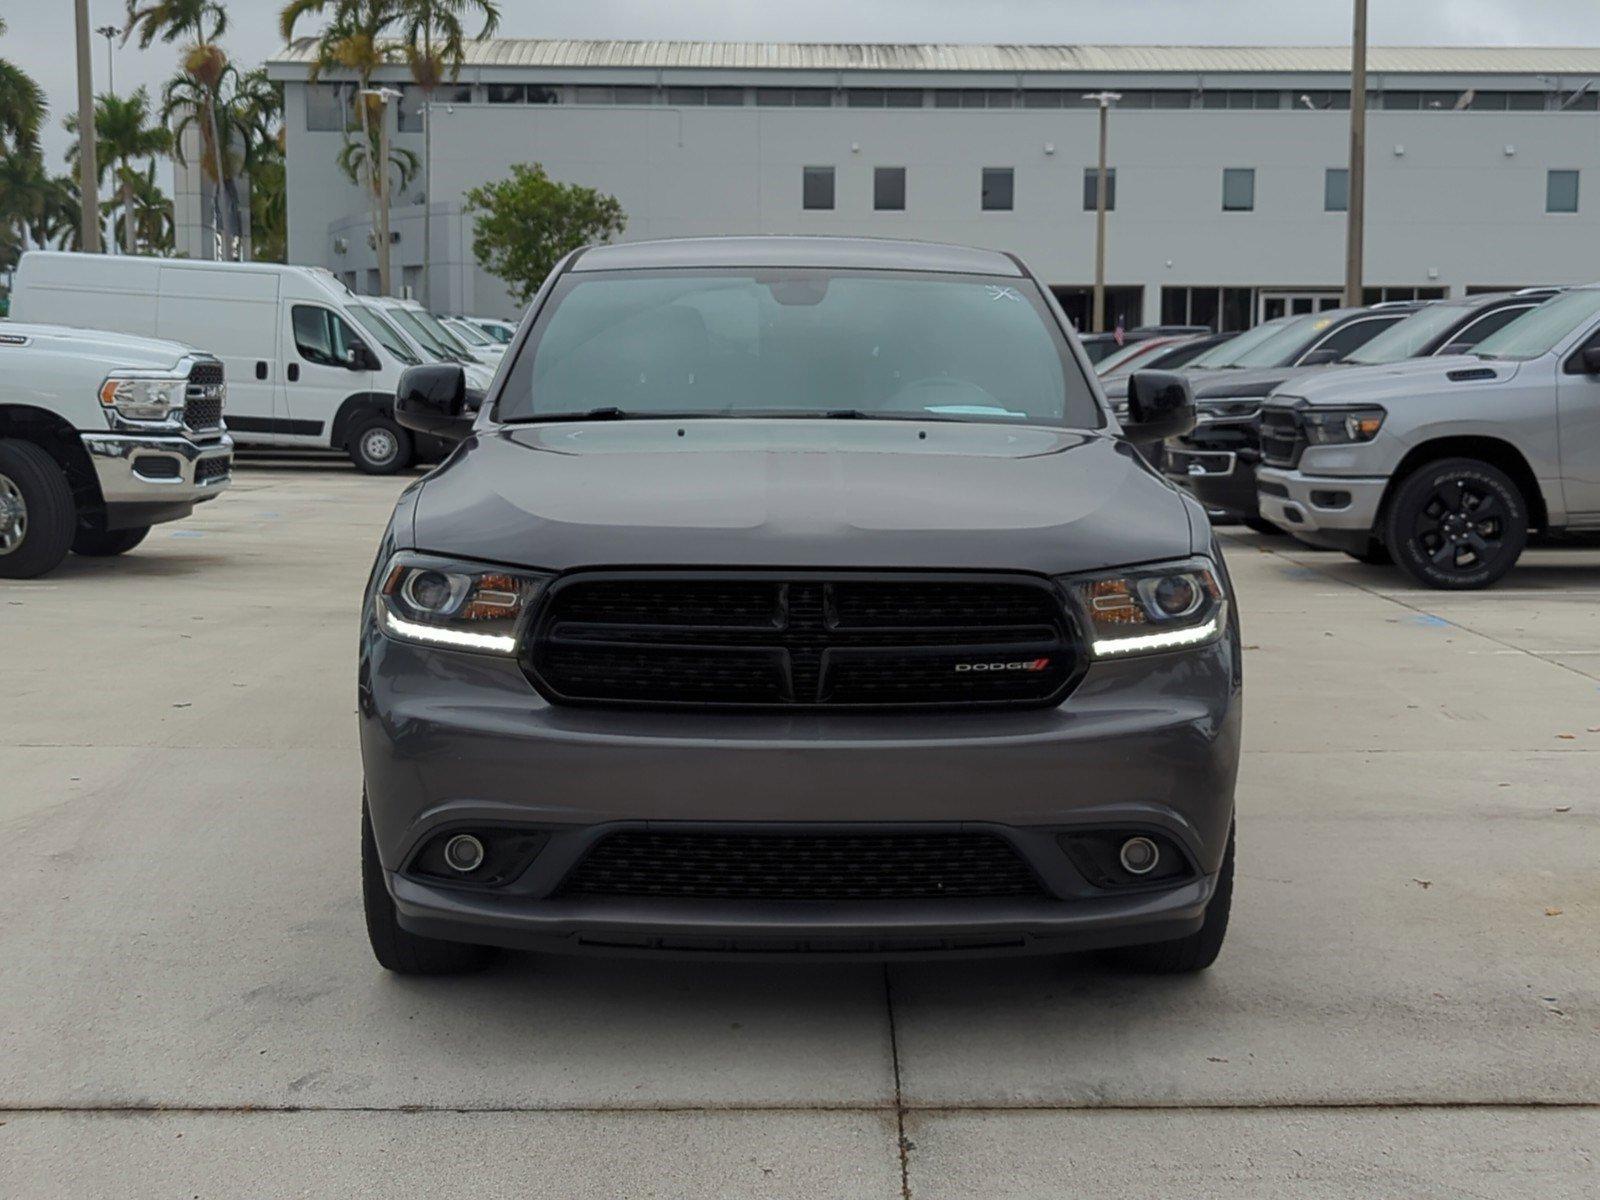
(256, 112)
(123, 134)
(435, 47)
(22, 108)
(522, 226)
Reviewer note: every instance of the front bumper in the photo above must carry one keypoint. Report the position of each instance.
(450, 739)
(145, 479)
(1219, 479)
(1337, 511)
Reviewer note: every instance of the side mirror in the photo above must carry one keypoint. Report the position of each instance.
(1591, 360)
(361, 357)
(1160, 406)
(1320, 358)
(432, 399)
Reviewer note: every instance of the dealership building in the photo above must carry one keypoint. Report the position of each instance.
(1228, 190)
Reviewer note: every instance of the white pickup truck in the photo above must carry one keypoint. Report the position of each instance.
(101, 437)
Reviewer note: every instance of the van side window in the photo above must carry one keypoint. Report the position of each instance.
(321, 336)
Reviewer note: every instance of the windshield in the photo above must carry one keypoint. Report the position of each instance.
(1223, 355)
(1410, 337)
(450, 350)
(791, 342)
(388, 336)
(1286, 344)
(1542, 330)
(438, 328)
(1113, 362)
(469, 334)
(499, 333)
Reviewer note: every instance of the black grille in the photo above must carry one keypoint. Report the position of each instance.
(809, 866)
(202, 407)
(1231, 426)
(210, 470)
(1283, 441)
(802, 641)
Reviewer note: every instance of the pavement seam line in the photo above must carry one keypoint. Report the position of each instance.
(899, 1096)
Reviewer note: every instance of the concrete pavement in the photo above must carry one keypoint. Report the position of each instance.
(1409, 1002)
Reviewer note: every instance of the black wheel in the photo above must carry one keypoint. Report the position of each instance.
(1185, 955)
(1457, 523)
(37, 516)
(1263, 526)
(1375, 555)
(103, 543)
(380, 447)
(395, 949)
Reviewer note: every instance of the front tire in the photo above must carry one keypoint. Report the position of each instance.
(37, 515)
(395, 949)
(378, 446)
(1197, 951)
(1457, 524)
(105, 543)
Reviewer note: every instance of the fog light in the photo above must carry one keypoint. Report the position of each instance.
(1139, 856)
(464, 853)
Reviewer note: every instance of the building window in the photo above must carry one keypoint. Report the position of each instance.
(686, 95)
(1238, 189)
(794, 97)
(816, 188)
(1561, 192)
(506, 93)
(1091, 189)
(726, 97)
(889, 189)
(1336, 189)
(325, 107)
(999, 189)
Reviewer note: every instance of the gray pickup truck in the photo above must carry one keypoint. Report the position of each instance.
(1445, 464)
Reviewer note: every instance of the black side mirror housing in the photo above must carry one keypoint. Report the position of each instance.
(1591, 360)
(361, 358)
(1160, 406)
(1321, 358)
(432, 399)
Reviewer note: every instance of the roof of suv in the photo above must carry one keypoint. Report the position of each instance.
(795, 251)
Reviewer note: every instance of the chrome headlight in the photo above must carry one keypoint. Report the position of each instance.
(142, 398)
(1341, 426)
(455, 605)
(1147, 610)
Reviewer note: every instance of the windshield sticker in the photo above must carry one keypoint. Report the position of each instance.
(996, 292)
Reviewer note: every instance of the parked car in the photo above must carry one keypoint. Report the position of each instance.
(1103, 345)
(306, 366)
(480, 343)
(1446, 463)
(1131, 357)
(762, 562)
(427, 331)
(1222, 354)
(101, 437)
(500, 331)
(1217, 459)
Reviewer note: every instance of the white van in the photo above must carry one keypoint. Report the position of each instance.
(308, 363)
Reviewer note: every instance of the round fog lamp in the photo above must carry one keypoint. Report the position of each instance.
(428, 591)
(1176, 596)
(1139, 855)
(463, 853)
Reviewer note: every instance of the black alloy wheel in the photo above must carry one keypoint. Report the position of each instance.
(1457, 524)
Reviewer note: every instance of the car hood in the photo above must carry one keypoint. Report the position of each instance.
(1390, 381)
(1257, 381)
(788, 493)
(113, 351)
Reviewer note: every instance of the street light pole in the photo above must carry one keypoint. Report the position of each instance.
(88, 176)
(1105, 101)
(108, 32)
(1356, 202)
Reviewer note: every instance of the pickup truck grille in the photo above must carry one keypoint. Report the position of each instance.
(202, 407)
(1228, 425)
(1283, 440)
(810, 866)
(802, 640)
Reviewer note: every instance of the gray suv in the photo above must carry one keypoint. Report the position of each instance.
(1445, 464)
(797, 596)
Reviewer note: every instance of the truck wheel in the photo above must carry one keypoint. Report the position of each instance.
(104, 543)
(37, 516)
(1458, 523)
(380, 447)
(395, 949)
(1185, 955)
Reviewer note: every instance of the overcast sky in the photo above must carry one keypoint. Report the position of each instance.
(41, 31)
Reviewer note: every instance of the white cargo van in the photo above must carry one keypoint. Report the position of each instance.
(308, 363)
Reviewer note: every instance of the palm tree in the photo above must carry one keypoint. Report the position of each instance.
(148, 209)
(255, 112)
(123, 132)
(354, 41)
(206, 65)
(22, 108)
(435, 46)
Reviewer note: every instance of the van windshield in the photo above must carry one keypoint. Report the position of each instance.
(388, 336)
(1540, 331)
(447, 349)
(879, 345)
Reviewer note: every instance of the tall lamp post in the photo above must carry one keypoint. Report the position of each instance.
(1356, 203)
(108, 32)
(1101, 195)
(384, 96)
(88, 176)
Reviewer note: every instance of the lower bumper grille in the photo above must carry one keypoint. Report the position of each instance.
(803, 641)
(820, 866)
(212, 470)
